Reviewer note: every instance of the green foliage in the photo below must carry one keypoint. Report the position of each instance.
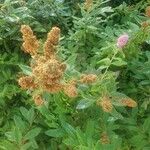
(88, 45)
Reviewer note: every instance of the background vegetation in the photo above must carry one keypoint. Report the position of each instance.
(87, 45)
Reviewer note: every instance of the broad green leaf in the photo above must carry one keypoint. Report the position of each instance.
(55, 132)
(32, 133)
(17, 135)
(26, 69)
(85, 103)
(119, 62)
(31, 115)
(104, 62)
(19, 123)
(24, 112)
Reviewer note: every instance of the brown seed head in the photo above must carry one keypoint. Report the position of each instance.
(88, 4)
(30, 44)
(53, 36)
(70, 90)
(147, 11)
(104, 138)
(129, 102)
(106, 104)
(55, 87)
(38, 100)
(26, 82)
(90, 78)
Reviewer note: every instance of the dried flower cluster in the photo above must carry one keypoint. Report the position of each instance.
(30, 44)
(147, 11)
(90, 78)
(51, 42)
(70, 89)
(106, 104)
(47, 69)
(129, 102)
(88, 4)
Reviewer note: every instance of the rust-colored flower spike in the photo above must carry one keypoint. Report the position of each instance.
(147, 11)
(88, 4)
(30, 44)
(129, 102)
(26, 82)
(90, 78)
(70, 89)
(38, 100)
(51, 42)
(104, 138)
(106, 104)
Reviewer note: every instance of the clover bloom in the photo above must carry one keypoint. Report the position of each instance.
(122, 40)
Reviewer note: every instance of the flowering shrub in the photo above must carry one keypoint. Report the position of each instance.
(83, 86)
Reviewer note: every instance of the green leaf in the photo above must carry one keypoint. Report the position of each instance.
(24, 112)
(85, 103)
(104, 62)
(26, 69)
(55, 132)
(31, 116)
(17, 135)
(119, 62)
(19, 123)
(32, 133)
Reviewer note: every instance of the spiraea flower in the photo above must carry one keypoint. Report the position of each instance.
(27, 82)
(30, 44)
(51, 42)
(147, 11)
(70, 89)
(89, 78)
(122, 40)
(129, 102)
(105, 103)
(47, 69)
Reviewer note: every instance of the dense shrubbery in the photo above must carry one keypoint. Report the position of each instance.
(85, 88)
